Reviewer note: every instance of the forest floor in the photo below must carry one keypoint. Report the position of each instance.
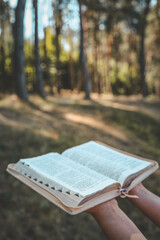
(40, 126)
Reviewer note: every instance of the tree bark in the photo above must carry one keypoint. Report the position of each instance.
(83, 70)
(71, 59)
(96, 74)
(143, 62)
(39, 76)
(2, 49)
(157, 82)
(58, 74)
(142, 55)
(58, 26)
(108, 58)
(47, 63)
(19, 71)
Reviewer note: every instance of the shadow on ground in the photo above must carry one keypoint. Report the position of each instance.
(33, 129)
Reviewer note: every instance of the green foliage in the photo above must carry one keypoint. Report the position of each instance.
(112, 45)
(152, 42)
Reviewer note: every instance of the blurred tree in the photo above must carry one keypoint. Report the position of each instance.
(142, 55)
(152, 55)
(137, 20)
(57, 11)
(47, 62)
(30, 65)
(117, 49)
(96, 43)
(6, 48)
(39, 76)
(109, 25)
(92, 48)
(111, 20)
(19, 69)
(112, 13)
(83, 69)
(157, 43)
(71, 70)
(3, 6)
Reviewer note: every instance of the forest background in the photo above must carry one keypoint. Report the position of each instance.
(73, 71)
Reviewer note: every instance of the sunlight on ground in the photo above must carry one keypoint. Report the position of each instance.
(96, 124)
(21, 125)
(128, 103)
(39, 113)
(39, 118)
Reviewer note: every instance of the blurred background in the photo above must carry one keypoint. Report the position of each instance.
(73, 71)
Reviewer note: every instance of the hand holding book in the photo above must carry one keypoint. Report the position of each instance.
(83, 176)
(116, 224)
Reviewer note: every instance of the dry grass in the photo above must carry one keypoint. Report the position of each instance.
(131, 124)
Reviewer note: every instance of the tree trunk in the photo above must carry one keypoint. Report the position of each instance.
(82, 59)
(108, 58)
(130, 77)
(71, 59)
(39, 77)
(144, 89)
(19, 71)
(58, 73)
(96, 75)
(157, 82)
(58, 26)
(142, 55)
(157, 88)
(47, 63)
(2, 49)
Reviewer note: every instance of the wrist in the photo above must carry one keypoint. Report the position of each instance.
(137, 189)
(106, 207)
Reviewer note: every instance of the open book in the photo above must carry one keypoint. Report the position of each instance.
(83, 176)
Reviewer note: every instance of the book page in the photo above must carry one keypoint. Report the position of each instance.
(106, 161)
(70, 174)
